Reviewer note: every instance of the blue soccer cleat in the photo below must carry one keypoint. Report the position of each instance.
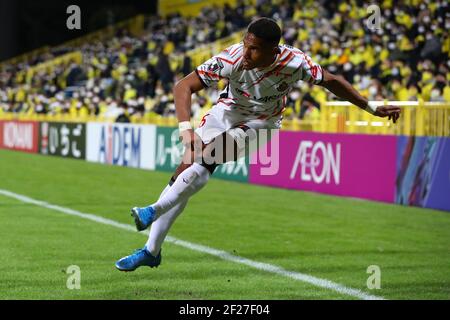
(143, 217)
(141, 257)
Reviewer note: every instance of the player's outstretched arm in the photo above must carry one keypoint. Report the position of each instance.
(344, 90)
(182, 93)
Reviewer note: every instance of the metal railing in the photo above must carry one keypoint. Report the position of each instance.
(417, 118)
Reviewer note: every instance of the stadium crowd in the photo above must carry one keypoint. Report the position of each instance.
(405, 57)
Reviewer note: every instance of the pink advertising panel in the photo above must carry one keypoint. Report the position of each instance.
(362, 166)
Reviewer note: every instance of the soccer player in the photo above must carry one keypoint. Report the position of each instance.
(260, 73)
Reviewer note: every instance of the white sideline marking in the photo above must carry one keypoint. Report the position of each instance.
(318, 282)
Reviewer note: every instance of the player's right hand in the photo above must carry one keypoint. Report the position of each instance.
(192, 142)
(187, 137)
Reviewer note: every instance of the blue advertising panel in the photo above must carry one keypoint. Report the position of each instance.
(423, 172)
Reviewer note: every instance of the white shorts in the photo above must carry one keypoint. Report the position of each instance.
(219, 120)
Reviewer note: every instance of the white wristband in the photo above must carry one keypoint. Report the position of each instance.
(184, 125)
(371, 107)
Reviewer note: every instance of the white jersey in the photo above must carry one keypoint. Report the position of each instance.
(258, 93)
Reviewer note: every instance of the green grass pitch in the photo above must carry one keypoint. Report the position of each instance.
(324, 236)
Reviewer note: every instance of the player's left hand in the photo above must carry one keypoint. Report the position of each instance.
(388, 111)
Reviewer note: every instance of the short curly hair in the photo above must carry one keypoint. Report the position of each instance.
(266, 29)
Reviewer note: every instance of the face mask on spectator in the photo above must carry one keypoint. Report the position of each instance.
(373, 90)
(435, 93)
(295, 95)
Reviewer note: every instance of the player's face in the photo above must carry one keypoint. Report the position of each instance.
(257, 53)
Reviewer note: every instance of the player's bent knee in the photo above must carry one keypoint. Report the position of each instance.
(229, 146)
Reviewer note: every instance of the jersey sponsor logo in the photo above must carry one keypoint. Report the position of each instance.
(283, 86)
(270, 98)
